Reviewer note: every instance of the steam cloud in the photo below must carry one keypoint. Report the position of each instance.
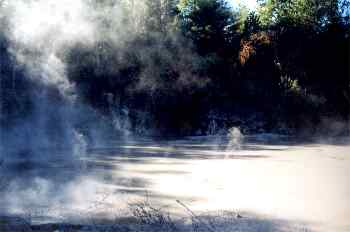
(43, 33)
(40, 34)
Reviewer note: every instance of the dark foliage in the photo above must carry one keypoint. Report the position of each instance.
(192, 66)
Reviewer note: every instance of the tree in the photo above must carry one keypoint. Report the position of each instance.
(160, 15)
(209, 23)
(312, 13)
(251, 24)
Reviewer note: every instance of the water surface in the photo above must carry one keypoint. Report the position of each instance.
(268, 176)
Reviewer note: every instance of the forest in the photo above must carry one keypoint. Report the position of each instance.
(188, 67)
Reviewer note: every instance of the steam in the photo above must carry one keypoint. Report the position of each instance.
(235, 137)
(42, 30)
(41, 33)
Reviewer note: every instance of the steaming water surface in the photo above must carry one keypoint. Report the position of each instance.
(306, 183)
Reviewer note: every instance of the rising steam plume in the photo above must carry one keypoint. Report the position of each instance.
(40, 34)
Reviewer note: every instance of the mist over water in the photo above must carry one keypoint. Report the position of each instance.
(64, 160)
(235, 137)
(44, 152)
(199, 172)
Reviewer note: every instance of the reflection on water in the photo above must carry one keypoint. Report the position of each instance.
(267, 176)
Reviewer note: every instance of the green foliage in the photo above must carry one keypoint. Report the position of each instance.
(242, 14)
(251, 24)
(160, 15)
(311, 13)
(208, 23)
(293, 12)
(181, 60)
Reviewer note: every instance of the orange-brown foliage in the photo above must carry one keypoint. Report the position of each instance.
(250, 45)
